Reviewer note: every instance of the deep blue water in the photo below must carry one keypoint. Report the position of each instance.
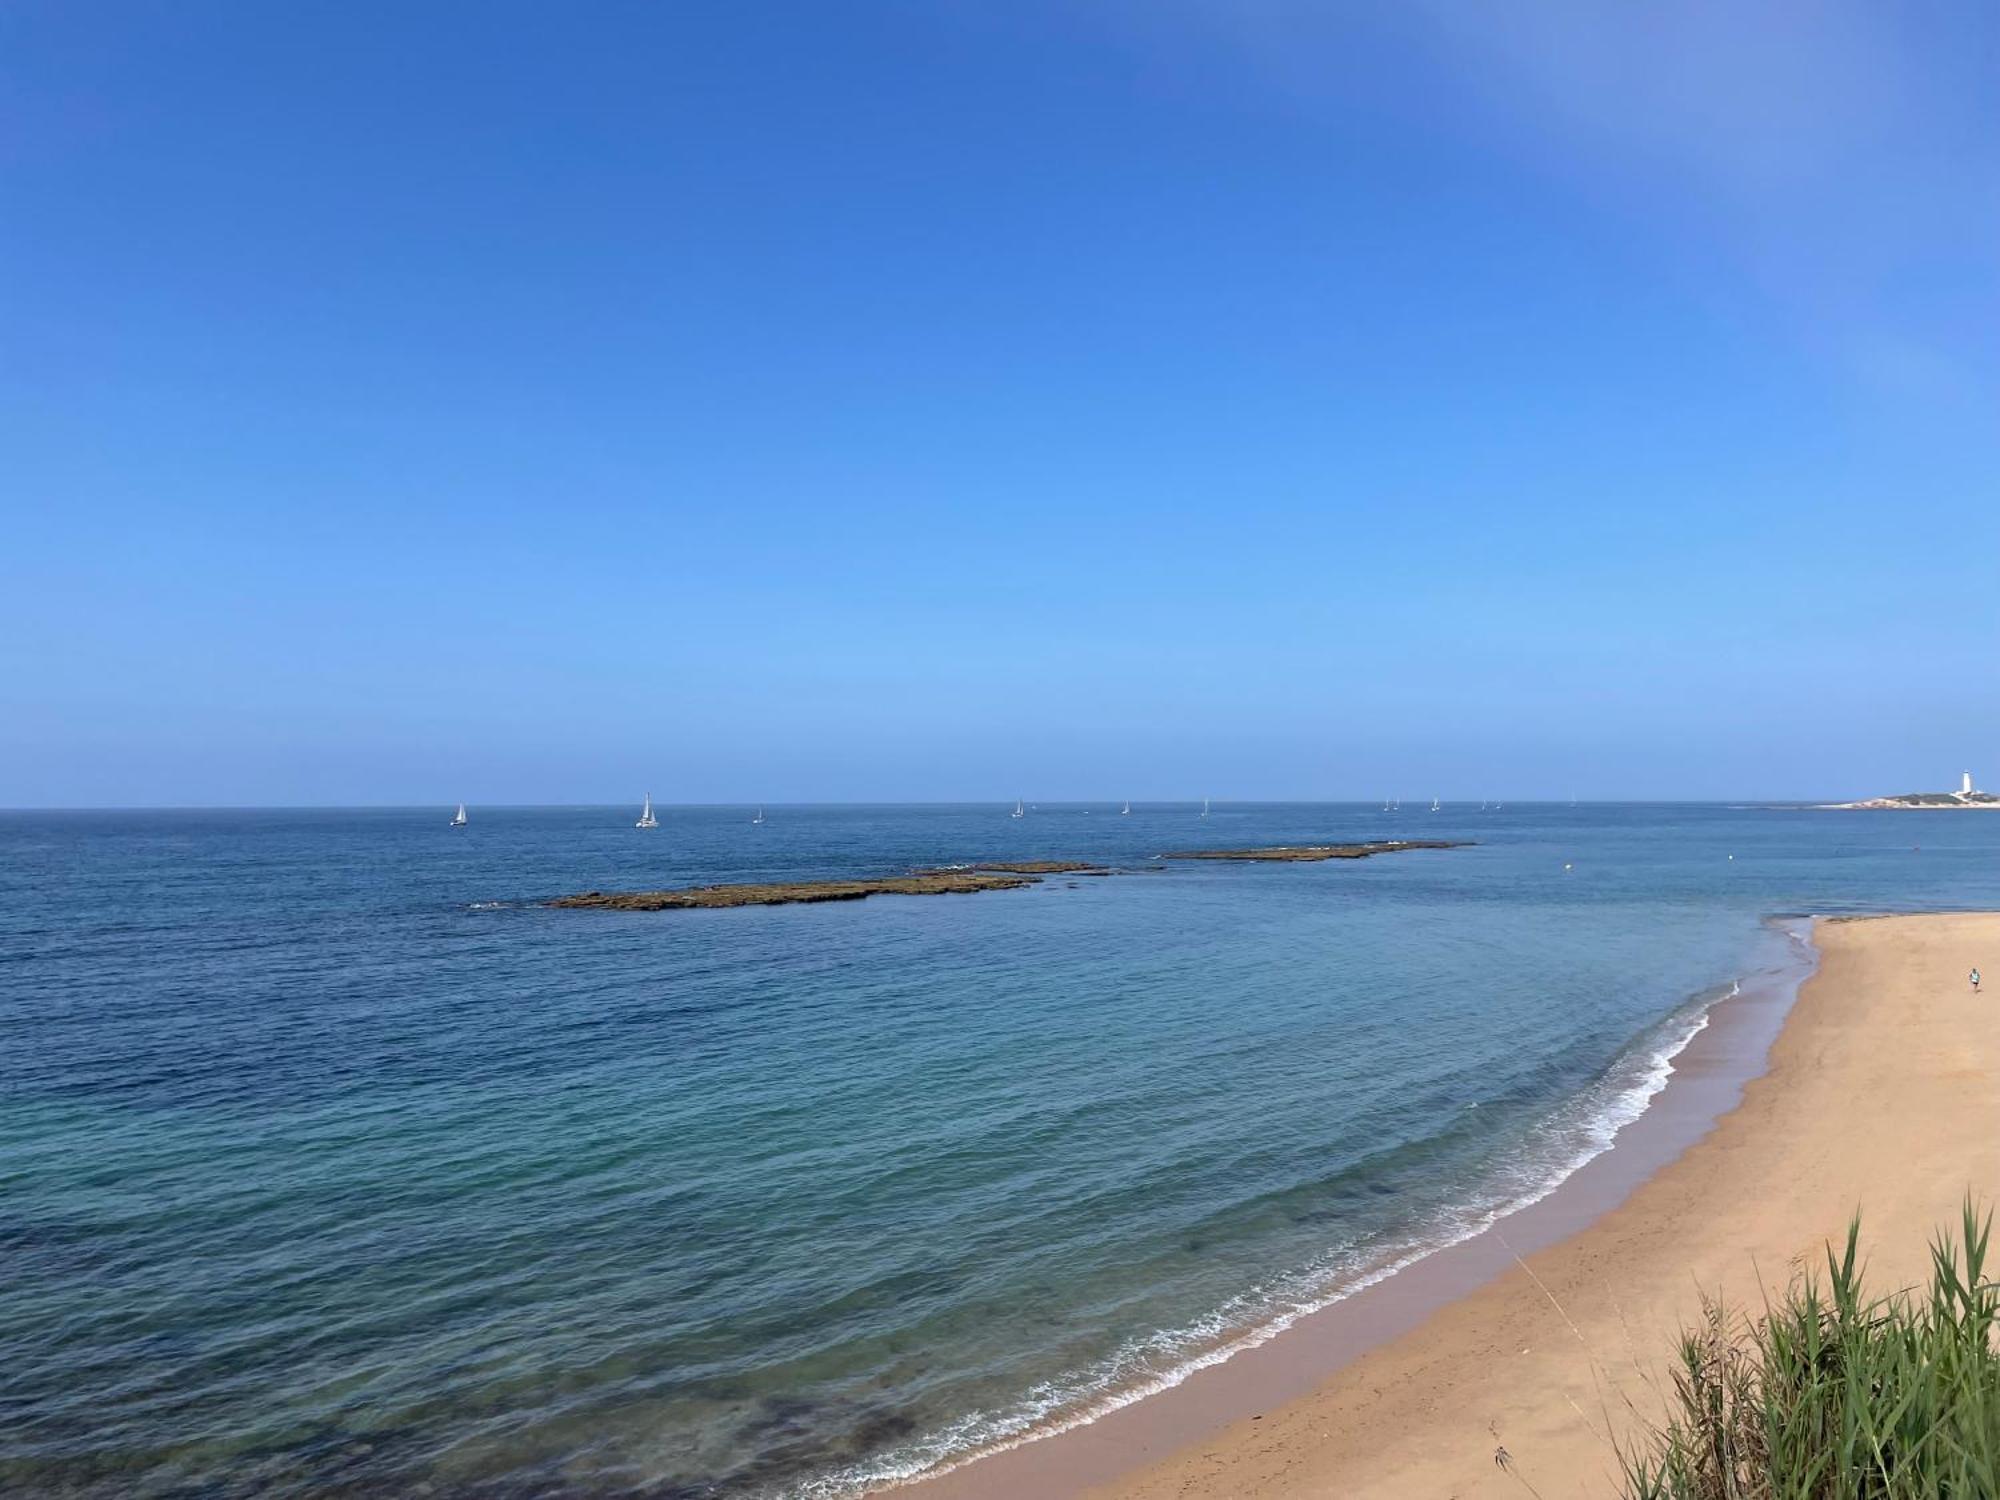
(322, 1173)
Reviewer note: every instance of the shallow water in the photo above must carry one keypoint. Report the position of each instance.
(330, 1163)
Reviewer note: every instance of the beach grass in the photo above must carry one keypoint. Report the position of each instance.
(1833, 1394)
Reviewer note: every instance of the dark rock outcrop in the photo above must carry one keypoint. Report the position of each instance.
(1311, 853)
(788, 893)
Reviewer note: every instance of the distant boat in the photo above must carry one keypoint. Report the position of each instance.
(458, 818)
(1125, 811)
(1019, 810)
(760, 816)
(646, 818)
(1434, 804)
(1204, 807)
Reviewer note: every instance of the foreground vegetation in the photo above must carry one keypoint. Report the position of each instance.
(1832, 1395)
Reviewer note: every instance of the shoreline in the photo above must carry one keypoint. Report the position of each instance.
(1879, 1094)
(1727, 1039)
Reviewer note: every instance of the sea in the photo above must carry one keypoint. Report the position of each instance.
(333, 1162)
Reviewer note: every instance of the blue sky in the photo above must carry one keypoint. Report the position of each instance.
(410, 403)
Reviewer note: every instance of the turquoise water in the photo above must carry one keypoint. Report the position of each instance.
(331, 1163)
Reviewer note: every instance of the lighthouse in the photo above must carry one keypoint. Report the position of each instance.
(1965, 785)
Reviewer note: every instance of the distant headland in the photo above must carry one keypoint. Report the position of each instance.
(1967, 796)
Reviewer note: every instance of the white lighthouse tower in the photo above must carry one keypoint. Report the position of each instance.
(1965, 785)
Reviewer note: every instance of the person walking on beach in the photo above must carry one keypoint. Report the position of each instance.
(1975, 981)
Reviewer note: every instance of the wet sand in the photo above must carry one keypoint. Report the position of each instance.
(1550, 1334)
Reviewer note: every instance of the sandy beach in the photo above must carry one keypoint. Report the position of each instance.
(1881, 1092)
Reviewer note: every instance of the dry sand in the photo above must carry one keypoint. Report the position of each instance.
(1882, 1093)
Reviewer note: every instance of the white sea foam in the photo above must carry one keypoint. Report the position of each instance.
(1573, 1137)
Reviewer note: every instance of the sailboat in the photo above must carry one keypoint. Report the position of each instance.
(1434, 804)
(1125, 811)
(646, 818)
(458, 818)
(1019, 810)
(760, 816)
(1204, 807)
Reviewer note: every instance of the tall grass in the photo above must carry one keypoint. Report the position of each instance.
(1833, 1395)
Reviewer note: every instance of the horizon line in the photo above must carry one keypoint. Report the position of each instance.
(1417, 803)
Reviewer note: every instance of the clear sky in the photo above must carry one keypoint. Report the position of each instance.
(415, 402)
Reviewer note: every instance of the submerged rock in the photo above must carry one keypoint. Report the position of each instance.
(1035, 867)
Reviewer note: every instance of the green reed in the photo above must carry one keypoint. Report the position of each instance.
(1834, 1395)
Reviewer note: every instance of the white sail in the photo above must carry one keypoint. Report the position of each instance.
(1125, 811)
(760, 816)
(1019, 810)
(1204, 807)
(458, 818)
(646, 818)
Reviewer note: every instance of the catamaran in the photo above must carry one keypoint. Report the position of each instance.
(458, 818)
(1019, 810)
(646, 818)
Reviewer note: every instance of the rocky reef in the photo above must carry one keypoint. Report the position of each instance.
(1311, 853)
(950, 880)
(793, 892)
